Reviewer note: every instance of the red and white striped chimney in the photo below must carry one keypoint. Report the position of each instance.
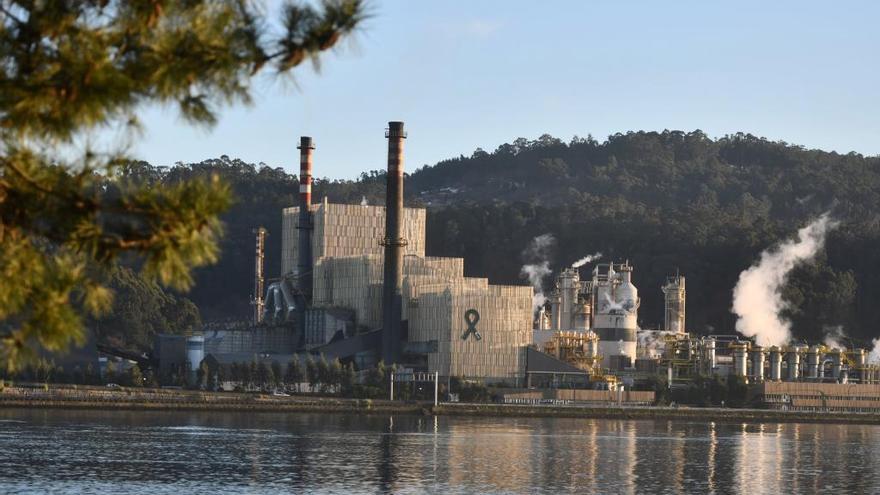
(304, 260)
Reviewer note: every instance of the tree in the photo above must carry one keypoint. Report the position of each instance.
(334, 374)
(294, 373)
(349, 378)
(110, 372)
(323, 373)
(376, 376)
(252, 374)
(72, 68)
(134, 377)
(203, 374)
(264, 375)
(141, 309)
(312, 374)
(90, 376)
(277, 376)
(221, 376)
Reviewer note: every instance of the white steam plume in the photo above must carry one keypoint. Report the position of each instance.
(757, 300)
(364, 201)
(834, 337)
(586, 259)
(536, 274)
(874, 356)
(539, 267)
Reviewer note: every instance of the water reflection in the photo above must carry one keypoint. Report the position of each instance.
(139, 452)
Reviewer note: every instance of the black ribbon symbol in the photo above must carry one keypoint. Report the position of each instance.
(471, 317)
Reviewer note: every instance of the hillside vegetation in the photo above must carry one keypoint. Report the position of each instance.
(666, 201)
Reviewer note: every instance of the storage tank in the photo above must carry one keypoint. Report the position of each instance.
(836, 363)
(582, 315)
(195, 351)
(615, 306)
(568, 288)
(740, 358)
(794, 364)
(555, 311)
(674, 298)
(758, 363)
(775, 364)
(813, 362)
(710, 356)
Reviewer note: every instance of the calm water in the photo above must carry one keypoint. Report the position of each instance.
(182, 453)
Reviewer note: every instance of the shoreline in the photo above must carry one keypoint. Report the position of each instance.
(131, 400)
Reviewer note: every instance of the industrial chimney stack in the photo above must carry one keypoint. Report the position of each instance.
(304, 261)
(259, 277)
(394, 243)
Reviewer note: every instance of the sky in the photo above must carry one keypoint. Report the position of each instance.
(464, 75)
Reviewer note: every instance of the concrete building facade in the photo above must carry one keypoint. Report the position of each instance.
(347, 230)
(465, 326)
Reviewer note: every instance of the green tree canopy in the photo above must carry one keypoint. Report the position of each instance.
(73, 67)
(141, 309)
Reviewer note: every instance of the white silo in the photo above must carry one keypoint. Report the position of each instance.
(195, 351)
(615, 317)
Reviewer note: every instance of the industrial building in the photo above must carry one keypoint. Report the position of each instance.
(356, 284)
(449, 323)
(592, 325)
(602, 311)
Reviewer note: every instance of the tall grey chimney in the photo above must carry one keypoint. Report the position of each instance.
(394, 243)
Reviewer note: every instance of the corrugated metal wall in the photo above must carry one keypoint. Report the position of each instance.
(348, 230)
(436, 294)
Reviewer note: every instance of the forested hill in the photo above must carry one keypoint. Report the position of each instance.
(666, 201)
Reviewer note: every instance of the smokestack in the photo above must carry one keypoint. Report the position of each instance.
(304, 261)
(393, 242)
(259, 278)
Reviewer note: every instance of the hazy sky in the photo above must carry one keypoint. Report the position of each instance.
(474, 74)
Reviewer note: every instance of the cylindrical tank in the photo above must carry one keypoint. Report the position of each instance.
(568, 287)
(582, 316)
(710, 356)
(740, 358)
(775, 364)
(758, 363)
(813, 362)
(794, 364)
(836, 363)
(555, 312)
(615, 310)
(626, 294)
(195, 351)
(861, 357)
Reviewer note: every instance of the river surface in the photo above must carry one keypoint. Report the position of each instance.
(80, 452)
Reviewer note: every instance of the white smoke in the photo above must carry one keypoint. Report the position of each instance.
(611, 306)
(652, 343)
(364, 201)
(536, 274)
(537, 252)
(874, 356)
(586, 259)
(834, 337)
(757, 300)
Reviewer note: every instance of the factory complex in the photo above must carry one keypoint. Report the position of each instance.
(357, 285)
